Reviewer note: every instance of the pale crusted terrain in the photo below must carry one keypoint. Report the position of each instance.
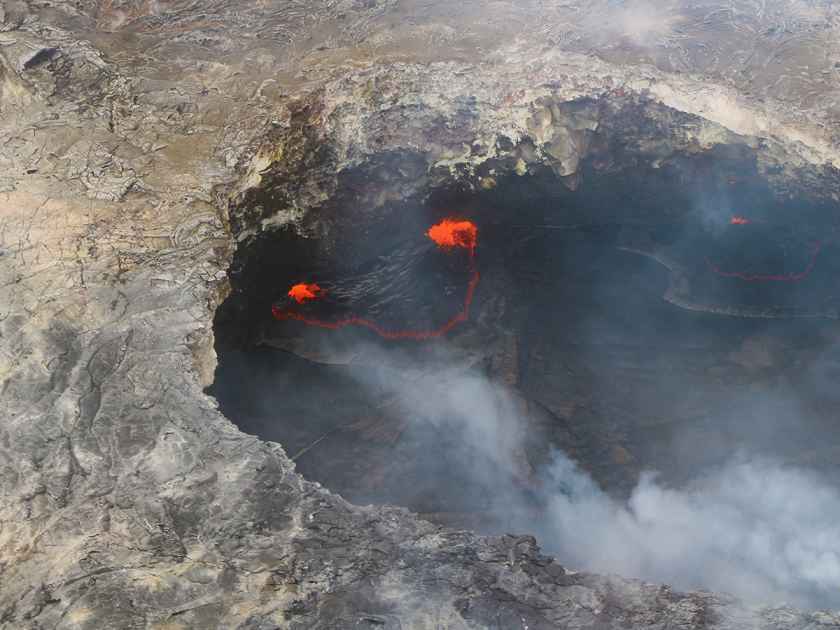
(126, 128)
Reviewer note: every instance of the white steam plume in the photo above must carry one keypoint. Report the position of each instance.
(753, 528)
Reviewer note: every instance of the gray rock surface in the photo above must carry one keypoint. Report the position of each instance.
(137, 140)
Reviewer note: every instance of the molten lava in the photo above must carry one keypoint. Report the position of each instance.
(302, 293)
(451, 233)
(448, 234)
(736, 220)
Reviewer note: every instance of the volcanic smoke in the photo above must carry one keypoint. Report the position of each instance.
(448, 234)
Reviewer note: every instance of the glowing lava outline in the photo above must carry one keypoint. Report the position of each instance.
(448, 234)
(758, 277)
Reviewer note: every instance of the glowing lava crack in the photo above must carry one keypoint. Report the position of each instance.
(759, 277)
(448, 234)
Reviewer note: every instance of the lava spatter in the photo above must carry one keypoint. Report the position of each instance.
(451, 233)
(302, 293)
(448, 234)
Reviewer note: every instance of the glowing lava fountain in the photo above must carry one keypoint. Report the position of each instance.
(302, 293)
(448, 234)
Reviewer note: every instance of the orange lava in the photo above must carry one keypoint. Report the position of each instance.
(739, 221)
(453, 233)
(448, 234)
(302, 293)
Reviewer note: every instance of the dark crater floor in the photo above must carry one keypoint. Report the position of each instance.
(569, 323)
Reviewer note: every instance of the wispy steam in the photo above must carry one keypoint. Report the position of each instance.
(753, 528)
(638, 21)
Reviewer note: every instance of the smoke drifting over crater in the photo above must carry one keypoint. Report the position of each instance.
(637, 437)
(753, 526)
(640, 379)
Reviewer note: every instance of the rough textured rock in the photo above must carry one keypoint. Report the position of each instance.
(140, 141)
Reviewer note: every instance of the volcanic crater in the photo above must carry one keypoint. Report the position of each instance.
(647, 302)
(243, 196)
